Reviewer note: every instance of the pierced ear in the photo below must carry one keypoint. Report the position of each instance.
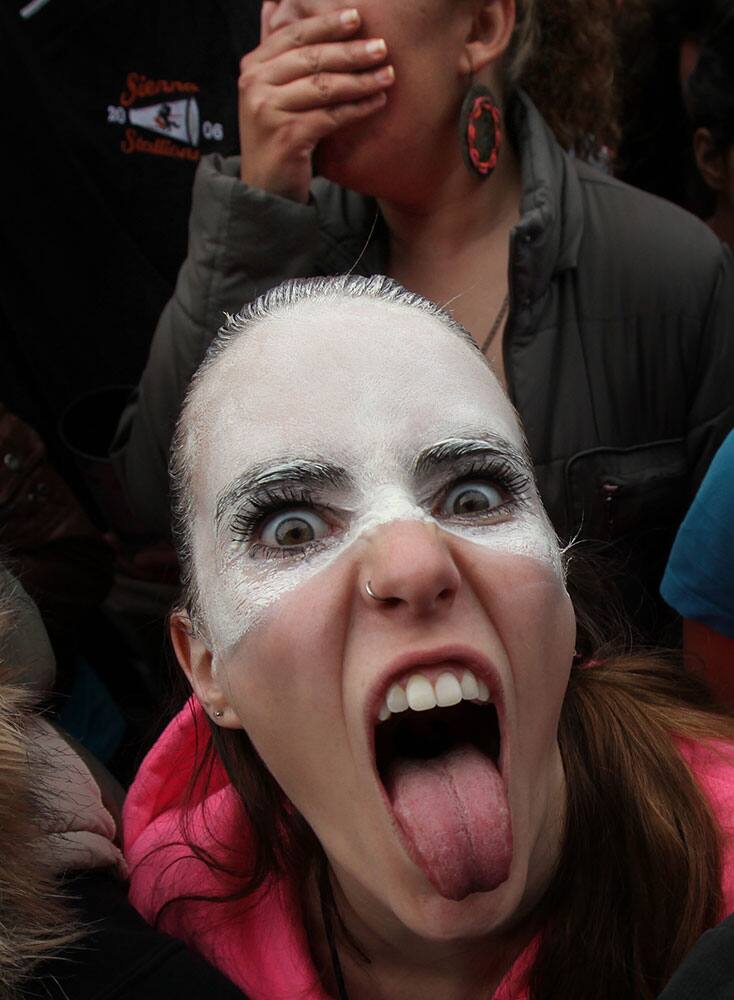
(492, 27)
(709, 160)
(197, 662)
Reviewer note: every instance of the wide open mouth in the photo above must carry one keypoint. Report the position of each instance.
(440, 772)
(425, 736)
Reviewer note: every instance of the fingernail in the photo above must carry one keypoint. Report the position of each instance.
(349, 16)
(376, 47)
(385, 75)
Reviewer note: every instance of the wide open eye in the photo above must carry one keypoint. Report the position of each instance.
(292, 528)
(471, 498)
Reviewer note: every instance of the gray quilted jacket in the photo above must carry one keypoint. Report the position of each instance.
(619, 347)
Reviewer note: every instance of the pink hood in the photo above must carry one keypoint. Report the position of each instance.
(260, 943)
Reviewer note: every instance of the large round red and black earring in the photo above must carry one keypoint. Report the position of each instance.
(480, 130)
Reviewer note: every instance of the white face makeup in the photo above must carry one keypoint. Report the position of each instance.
(371, 449)
(365, 442)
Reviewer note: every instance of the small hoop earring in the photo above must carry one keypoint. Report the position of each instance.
(372, 594)
(480, 131)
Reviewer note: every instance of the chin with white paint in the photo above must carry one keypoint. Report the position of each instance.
(416, 729)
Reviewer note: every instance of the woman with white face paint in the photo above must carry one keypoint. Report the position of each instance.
(427, 140)
(395, 778)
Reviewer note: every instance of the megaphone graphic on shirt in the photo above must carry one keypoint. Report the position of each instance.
(175, 119)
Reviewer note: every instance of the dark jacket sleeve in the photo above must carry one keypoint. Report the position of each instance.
(708, 972)
(242, 241)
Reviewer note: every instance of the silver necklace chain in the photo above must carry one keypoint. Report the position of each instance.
(494, 329)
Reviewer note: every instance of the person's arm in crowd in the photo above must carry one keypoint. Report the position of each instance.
(699, 578)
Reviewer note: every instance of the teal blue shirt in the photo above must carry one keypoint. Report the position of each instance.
(699, 578)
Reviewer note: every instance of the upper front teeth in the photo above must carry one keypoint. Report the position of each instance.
(421, 695)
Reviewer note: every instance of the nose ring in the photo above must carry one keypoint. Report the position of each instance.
(372, 594)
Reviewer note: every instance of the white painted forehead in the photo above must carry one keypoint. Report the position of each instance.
(362, 387)
(350, 370)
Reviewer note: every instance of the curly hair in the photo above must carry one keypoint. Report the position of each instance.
(564, 54)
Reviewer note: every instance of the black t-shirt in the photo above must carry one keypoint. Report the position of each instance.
(122, 957)
(108, 107)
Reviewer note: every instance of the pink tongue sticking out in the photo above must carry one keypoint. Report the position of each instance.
(455, 818)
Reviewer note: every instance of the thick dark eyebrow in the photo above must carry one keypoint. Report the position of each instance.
(265, 478)
(451, 451)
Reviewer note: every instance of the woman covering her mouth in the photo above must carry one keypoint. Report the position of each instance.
(396, 777)
(412, 139)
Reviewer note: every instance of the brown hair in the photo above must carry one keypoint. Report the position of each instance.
(639, 877)
(564, 54)
(34, 922)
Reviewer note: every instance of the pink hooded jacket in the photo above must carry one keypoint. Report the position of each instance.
(260, 943)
